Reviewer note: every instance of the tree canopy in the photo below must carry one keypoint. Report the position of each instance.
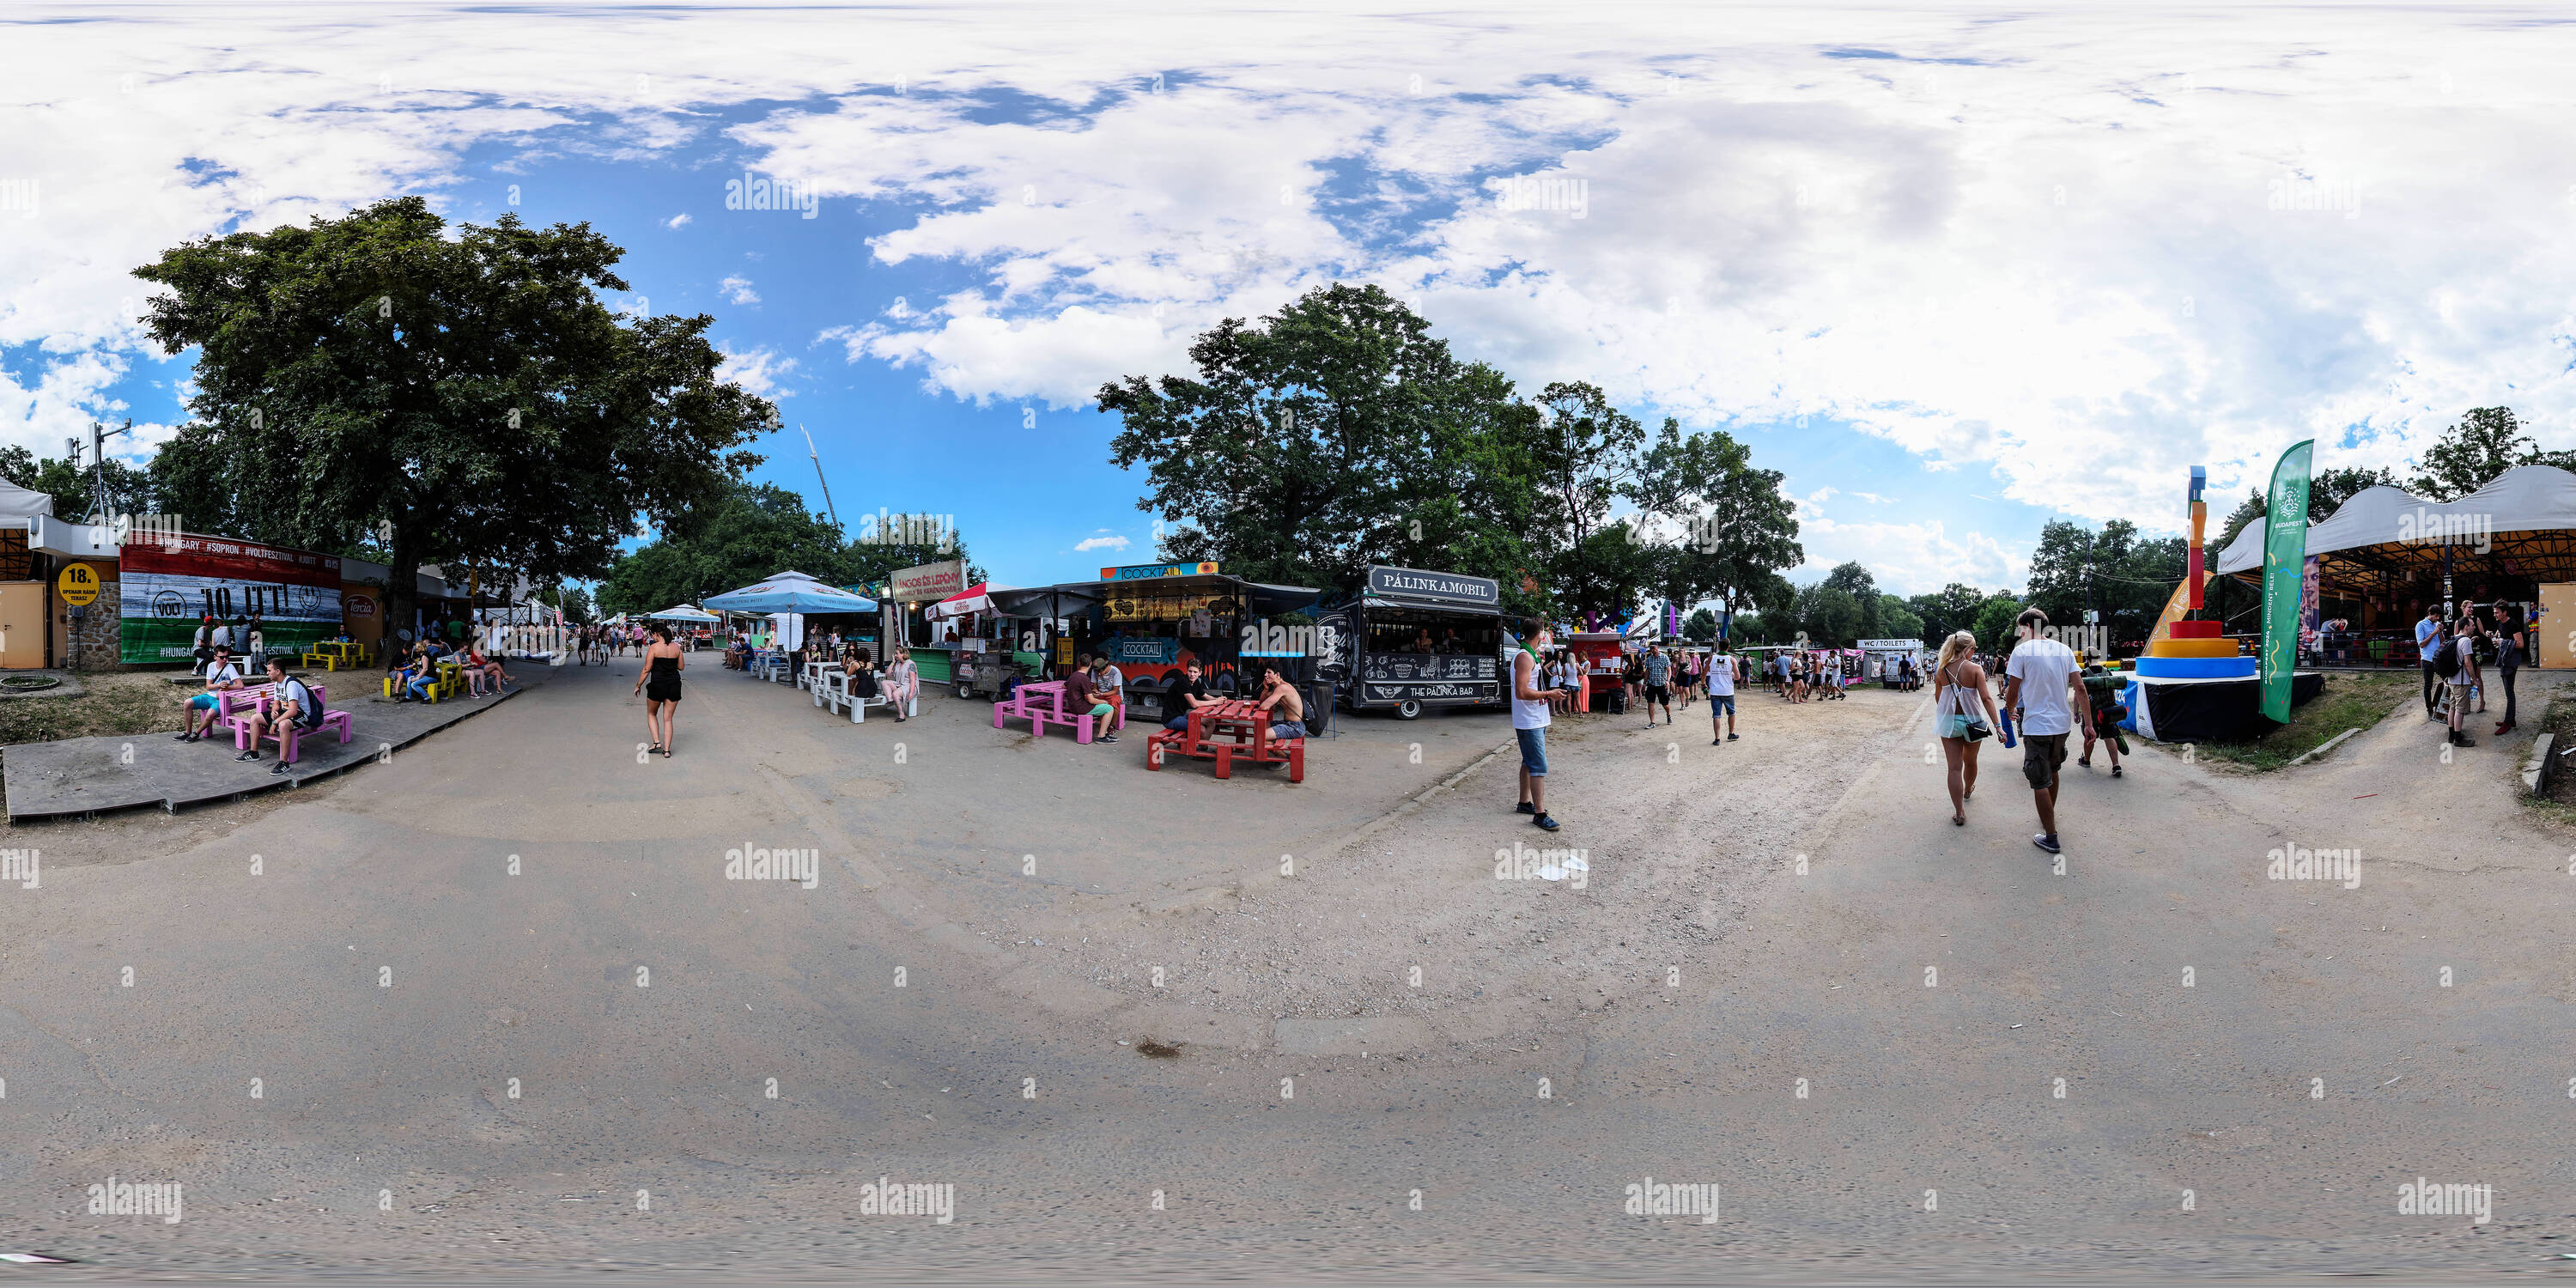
(1340, 433)
(465, 395)
(2483, 443)
(756, 530)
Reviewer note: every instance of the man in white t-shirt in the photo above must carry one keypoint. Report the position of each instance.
(221, 674)
(1530, 719)
(1721, 697)
(2041, 674)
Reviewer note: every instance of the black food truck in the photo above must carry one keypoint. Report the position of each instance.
(1416, 639)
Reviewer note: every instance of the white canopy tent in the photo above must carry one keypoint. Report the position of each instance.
(2528, 499)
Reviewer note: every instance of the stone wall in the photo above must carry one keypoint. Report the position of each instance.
(94, 644)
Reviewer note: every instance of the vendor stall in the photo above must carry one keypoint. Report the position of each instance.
(1416, 639)
(1602, 659)
(1152, 619)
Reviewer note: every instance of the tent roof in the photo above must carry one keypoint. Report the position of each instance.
(2529, 498)
(791, 592)
(17, 503)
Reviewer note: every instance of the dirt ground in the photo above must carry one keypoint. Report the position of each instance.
(1413, 920)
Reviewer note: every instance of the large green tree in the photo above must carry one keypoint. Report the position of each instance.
(465, 394)
(1335, 434)
(1948, 610)
(2484, 443)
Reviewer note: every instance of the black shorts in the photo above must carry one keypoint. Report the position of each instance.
(1657, 694)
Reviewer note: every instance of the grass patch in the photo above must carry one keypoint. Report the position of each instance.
(118, 704)
(2559, 805)
(2350, 700)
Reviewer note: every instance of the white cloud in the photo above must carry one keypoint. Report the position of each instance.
(1910, 558)
(1101, 543)
(758, 371)
(677, 222)
(737, 290)
(2068, 248)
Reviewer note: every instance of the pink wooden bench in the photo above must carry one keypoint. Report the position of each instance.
(234, 708)
(1042, 704)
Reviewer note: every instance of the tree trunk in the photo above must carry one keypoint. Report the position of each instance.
(402, 590)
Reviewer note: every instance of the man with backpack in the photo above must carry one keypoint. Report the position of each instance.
(289, 702)
(2456, 676)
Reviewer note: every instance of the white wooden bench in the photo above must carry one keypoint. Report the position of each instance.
(832, 692)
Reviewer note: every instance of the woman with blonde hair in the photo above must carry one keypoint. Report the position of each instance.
(1954, 677)
(902, 682)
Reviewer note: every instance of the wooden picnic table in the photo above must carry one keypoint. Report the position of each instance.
(1041, 703)
(1227, 731)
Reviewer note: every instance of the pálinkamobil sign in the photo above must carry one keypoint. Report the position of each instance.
(1434, 587)
(166, 587)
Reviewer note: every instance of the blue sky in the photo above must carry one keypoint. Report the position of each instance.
(1953, 278)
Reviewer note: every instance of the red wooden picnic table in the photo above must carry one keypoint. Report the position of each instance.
(1224, 732)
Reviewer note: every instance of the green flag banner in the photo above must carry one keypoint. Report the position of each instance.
(2285, 553)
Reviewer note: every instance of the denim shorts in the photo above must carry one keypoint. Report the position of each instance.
(1720, 702)
(1533, 751)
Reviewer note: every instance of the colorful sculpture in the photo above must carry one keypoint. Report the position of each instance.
(2187, 647)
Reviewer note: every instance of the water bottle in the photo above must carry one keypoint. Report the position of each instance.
(2004, 726)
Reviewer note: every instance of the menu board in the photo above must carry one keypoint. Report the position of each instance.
(1429, 677)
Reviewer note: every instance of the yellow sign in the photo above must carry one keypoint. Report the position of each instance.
(79, 585)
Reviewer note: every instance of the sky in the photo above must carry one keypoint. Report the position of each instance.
(1954, 270)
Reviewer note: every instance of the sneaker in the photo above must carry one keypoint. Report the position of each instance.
(1545, 823)
(282, 767)
(1732, 737)
(2115, 771)
(1717, 742)
(1103, 738)
(2466, 741)
(1525, 808)
(252, 754)
(185, 737)
(2045, 840)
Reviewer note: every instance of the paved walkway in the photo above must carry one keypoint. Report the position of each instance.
(481, 917)
(79, 776)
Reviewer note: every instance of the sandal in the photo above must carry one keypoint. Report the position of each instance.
(666, 753)
(1959, 820)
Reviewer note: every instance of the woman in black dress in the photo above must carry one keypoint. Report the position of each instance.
(662, 664)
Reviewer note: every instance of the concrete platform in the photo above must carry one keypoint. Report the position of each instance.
(81, 776)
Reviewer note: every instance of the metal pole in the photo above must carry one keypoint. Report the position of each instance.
(818, 474)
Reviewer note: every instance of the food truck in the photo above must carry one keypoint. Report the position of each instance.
(1154, 618)
(1415, 639)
